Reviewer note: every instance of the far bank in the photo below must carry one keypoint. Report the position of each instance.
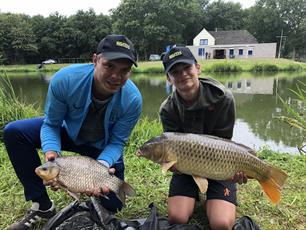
(212, 65)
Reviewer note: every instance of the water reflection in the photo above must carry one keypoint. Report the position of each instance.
(257, 103)
(257, 107)
(251, 86)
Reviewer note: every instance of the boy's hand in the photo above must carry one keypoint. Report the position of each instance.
(240, 178)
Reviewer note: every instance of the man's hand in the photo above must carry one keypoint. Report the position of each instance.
(54, 184)
(100, 191)
(49, 156)
(240, 178)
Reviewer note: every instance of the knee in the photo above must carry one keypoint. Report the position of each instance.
(178, 218)
(221, 224)
(10, 130)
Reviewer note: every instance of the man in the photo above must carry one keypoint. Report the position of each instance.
(90, 109)
(201, 106)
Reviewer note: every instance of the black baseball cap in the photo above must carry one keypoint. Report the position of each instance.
(176, 55)
(117, 46)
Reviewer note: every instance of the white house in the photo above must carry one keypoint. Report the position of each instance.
(230, 44)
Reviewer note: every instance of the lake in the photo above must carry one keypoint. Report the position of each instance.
(256, 96)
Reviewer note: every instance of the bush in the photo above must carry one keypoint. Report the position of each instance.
(293, 67)
(225, 67)
(265, 68)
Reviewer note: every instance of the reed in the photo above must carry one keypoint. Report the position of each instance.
(11, 107)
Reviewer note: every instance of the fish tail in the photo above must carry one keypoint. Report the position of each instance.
(274, 184)
(124, 191)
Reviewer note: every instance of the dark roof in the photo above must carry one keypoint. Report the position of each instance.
(233, 37)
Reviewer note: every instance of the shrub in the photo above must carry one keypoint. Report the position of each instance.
(225, 67)
(293, 67)
(265, 68)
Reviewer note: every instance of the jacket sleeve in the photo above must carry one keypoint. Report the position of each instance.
(168, 118)
(121, 132)
(226, 120)
(55, 110)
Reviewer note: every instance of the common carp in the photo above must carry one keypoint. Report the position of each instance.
(76, 174)
(204, 156)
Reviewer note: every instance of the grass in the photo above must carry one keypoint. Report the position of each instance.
(30, 68)
(152, 186)
(10, 106)
(211, 65)
(233, 65)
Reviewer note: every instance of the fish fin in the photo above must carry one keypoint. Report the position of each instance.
(274, 184)
(106, 197)
(201, 182)
(128, 189)
(121, 196)
(74, 195)
(248, 149)
(167, 166)
(124, 191)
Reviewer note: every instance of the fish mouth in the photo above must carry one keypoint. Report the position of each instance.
(139, 153)
(37, 171)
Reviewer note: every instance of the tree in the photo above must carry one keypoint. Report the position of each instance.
(154, 24)
(223, 15)
(17, 40)
(268, 17)
(40, 27)
(293, 14)
(51, 36)
(88, 30)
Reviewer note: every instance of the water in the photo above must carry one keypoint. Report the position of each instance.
(257, 104)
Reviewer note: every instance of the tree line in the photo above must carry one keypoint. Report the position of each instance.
(151, 25)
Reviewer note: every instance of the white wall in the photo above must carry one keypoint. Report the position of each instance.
(265, 50)
(204, 35)
(260, 50)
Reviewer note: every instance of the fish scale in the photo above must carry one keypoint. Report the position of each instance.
(212, 157)
(77, 174)
(223, 156)
(90, 171)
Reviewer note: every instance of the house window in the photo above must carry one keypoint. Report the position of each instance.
(230, 85)
(231, 52)
(201, 52)
(203, 42)
(250, 52)
(240, 51)
(239, 85)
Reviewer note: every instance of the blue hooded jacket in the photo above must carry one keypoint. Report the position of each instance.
(67, 104)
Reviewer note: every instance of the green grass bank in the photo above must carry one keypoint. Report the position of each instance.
(232, 65)
(152, 186)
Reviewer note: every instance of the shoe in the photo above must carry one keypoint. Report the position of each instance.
(33, 216)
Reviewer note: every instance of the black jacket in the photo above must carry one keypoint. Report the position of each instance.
(212, 114)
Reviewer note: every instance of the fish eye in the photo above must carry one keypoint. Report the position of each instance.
(44, 169)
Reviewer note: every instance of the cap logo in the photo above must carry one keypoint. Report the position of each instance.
(178, 53)
(122, 44)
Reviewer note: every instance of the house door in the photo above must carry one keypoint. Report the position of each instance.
(219, 54)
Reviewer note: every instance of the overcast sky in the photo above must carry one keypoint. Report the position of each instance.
(69, 7)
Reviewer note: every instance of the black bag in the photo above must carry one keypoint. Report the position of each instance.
(156, 222)
(245, 223)
(91, 215)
